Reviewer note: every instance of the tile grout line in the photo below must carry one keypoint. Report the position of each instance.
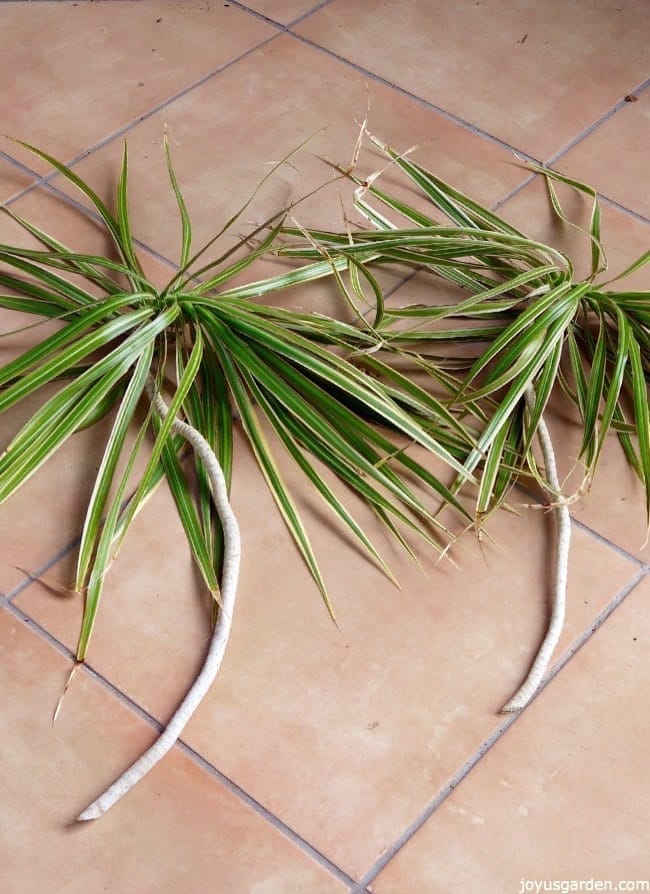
(635, 214)
(310, 12)
(600, 619)
(242, 795)
(640, 88)
(486, 135)
(266, 814)
(35, 576)
(25, 169)
(493, 739)
(8, 598)
(621, 551)
(88, 212)
(264, 18)
(592, 532)
(600, 538)
(46, 182)
(120, 131)
(6, 601)
(630, 212)
(276, 822)
(95, 216)
(285, 29)
(514, 191)
(449, 116)
(392, 850)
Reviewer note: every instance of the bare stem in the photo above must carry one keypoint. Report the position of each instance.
(230, 575)
(563, 540)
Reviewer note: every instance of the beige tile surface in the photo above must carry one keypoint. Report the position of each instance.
(275, 114)
(522, 72)
(80, 71)
(283, 11)
(181, 830)
(343, 734)
(614, 159)
(13, 179)
(564, 794)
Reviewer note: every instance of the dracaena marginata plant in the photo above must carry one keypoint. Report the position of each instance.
(202, 355)
(521, 326)
(353, 395)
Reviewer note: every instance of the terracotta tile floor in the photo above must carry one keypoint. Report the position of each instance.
(369, 758)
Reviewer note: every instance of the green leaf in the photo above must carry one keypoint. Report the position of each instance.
(126, 240)
(309, 470)
(337, 372)
(109, 220)
(106, 472)
(594, 394)
(59, 288)
(104, 554)
(74, 262)
(543, 388)
(186, 242)
(201, 548)
(35, 443)
(66, 347)
(318, 413)
(598, 260)
(271, 473)
(492, 468)
(164, 432)
(616, 379)
(521, 326)
(641, 414)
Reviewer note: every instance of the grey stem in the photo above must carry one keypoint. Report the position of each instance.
(563, 541)
(212, 663)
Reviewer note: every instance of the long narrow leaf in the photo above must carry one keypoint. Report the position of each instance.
(106, 471)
